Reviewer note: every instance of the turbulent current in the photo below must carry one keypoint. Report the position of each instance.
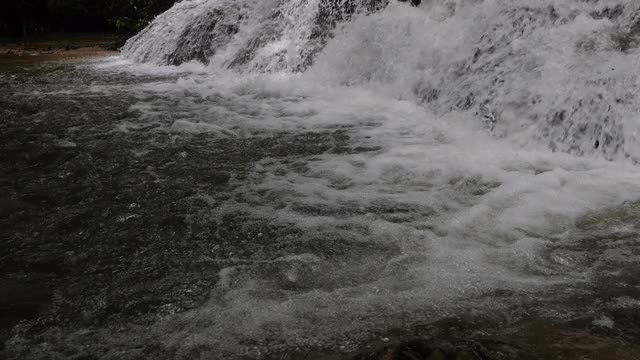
(399, 164)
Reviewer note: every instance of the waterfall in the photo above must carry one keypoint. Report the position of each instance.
(269, 35)
(561, 73)
(275, 178)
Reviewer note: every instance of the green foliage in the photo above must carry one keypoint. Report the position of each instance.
(126, 24)
(68, 8)
(136, 14)
(78, 15)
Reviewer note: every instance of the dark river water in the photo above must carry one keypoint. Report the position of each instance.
(175, 214)
(106, 227)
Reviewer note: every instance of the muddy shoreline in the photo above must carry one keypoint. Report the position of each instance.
(58, 47)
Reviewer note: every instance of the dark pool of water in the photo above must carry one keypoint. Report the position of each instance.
(103, 227)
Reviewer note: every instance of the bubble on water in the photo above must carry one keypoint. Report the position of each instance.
(604, 321)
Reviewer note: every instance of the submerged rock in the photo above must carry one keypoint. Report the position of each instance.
(425, 348)
(413, 2)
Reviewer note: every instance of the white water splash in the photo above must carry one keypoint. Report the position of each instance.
(481, 132)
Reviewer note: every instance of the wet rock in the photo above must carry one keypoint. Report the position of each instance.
(424, 348)
(413, 2)
(340, 10)
(201, 40)
(610, 13)
(410, 349)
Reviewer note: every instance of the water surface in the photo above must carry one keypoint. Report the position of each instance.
(206, 210)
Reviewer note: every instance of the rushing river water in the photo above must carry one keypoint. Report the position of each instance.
(309, 190)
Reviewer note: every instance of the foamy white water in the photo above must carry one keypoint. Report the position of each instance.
(479, 134)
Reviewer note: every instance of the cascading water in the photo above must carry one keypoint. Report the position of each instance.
(555, 72)
(272, 35)
(407, 163)
(484, 125)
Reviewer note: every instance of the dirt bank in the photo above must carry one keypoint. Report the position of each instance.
(57, 47)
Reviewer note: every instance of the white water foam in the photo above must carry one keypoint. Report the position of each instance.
(488, 128)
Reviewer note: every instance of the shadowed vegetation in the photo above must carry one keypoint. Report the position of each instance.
(35, 17)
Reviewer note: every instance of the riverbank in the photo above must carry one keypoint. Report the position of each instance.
(58, 47)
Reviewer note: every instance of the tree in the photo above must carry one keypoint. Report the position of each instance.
(136, 14)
